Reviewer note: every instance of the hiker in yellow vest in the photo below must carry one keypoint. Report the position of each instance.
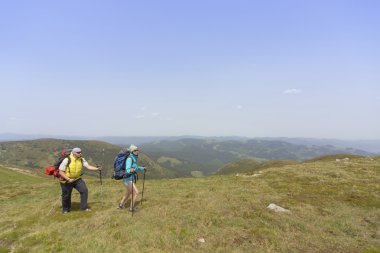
(71, 171)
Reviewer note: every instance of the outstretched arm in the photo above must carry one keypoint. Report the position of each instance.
(90, 167)
(129, 168)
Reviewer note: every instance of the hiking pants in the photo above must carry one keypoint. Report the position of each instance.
(81, 187)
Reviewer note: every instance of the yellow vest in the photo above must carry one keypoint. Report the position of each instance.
(74, 170)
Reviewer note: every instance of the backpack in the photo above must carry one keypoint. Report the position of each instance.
(119, 165)
(54, 170)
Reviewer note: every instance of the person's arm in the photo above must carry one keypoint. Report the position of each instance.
(62, 169)
(140, 168)
(90, 167)
(130, 169)
(63, 175)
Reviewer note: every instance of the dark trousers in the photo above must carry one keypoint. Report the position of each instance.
(81, 187)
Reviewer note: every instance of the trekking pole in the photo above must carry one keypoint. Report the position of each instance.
(100, 177)
(142, 193)
(132, 195)
(53, 207)
(101, 186)
(101, 183)
(100, 172)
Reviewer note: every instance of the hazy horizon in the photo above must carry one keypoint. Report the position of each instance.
(291, 69)
(38, 135)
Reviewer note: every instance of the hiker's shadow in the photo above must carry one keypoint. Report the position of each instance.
(139, 203)
(75, 206)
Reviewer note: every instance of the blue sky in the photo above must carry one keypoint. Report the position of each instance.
(213, 68)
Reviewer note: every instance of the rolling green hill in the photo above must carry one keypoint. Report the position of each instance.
(37, 154)
(331, 207)
(250, 166)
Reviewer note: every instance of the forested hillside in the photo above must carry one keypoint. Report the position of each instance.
(209, 155)
(37, 154)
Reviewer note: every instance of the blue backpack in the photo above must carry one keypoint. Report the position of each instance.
(119, 165)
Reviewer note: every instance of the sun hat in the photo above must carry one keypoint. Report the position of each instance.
(133, 148)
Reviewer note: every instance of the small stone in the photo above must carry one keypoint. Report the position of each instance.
(277, 209)
(201, 240)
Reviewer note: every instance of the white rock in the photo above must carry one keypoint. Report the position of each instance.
(277, 209)
(201, 239)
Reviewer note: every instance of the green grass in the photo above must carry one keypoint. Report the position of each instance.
(334, 207)
(251, 166)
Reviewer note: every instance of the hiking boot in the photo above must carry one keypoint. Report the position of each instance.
(87, 210)
(64, 212)
(134, 209)
(120, 206)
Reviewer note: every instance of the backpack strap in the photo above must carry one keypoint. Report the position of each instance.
(68, 163)
(133, 160)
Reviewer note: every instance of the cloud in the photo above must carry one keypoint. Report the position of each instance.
(292, 91)
(155, 114)
(139, 116)
(239, 107)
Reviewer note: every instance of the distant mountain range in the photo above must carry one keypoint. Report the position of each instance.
(372, 146)
(208, 155)
(117, 140)
(176, 156)
(367, 145)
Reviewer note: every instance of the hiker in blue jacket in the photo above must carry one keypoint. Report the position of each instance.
(131, 168)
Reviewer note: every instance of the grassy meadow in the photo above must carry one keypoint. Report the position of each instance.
(334, 207)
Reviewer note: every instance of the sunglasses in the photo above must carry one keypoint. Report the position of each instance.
(79, 153)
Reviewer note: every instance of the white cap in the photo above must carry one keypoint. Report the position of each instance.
(76, 150)
(133, 148)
